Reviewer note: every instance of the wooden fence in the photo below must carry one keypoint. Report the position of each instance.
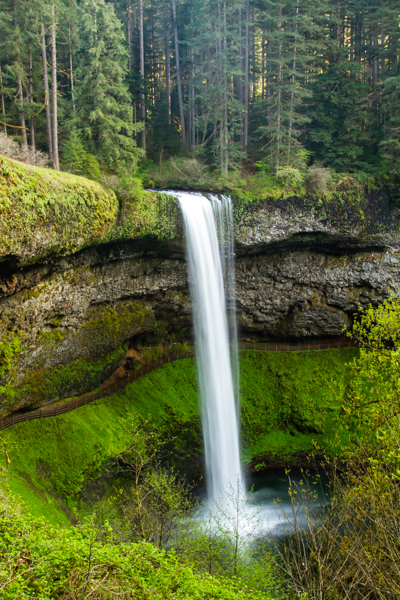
(60, 409)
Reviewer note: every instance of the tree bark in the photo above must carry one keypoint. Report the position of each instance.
(21, 108)
(178, 77)
(129, 37)
(143, 98)
(71, 73)
(241, 87)
(192, 119)
(56, 163)
(31, 123)
(3, 108)
(279, 96)
(46, 92)
(167, 62)
(246, 80)
(268, 76)
(20, 92)
(293, 81)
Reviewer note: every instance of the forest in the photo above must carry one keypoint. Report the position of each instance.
(266, 85)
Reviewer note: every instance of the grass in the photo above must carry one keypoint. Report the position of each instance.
(288, 401)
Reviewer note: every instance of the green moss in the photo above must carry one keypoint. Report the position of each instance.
(289, 401)
(106, 328)
(75, 378)
(45, 212)
(10, 347)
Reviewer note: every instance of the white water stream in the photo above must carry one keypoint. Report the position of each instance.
(210, 263)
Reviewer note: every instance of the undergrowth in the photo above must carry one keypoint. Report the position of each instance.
(288, 402)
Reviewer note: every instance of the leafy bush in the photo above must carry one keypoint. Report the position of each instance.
(350, 549)
(40, 561)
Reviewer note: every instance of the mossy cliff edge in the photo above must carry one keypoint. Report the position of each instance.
(86, 275)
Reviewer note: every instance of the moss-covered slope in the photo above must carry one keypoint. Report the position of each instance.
(288, 401)
(47, 213)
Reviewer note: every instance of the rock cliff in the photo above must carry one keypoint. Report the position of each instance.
(83, 274)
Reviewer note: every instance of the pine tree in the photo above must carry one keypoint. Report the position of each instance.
(102, 98)
(77, 160)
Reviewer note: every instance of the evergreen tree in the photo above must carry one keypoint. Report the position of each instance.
(102, 97)
(390, 144)
(77, 160)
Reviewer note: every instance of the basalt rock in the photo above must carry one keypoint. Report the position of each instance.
(303, 268)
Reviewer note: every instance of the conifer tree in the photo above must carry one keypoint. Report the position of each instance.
(102, 97)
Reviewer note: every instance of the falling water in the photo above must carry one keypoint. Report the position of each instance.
(222, 207)
(208, 260)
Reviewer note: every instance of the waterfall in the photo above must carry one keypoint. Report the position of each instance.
(209, 258)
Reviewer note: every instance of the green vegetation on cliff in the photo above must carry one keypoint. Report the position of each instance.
(46, 213)
(289, 400)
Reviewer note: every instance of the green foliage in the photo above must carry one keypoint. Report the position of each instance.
(228, 539)
(286, 406)
(76, 378)
(104, 109)
(9, 351)
(77, 160)
(352, 543)
(38, 560)
(374, 396)
(10, 348)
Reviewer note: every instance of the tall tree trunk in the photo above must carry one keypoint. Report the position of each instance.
(293, 82)
(383, 68)
(143, 98)
(263, 67)
(178, 77)
(246, 79)
(241, 82)
(253, 53)
(129, 36)
(192, 119)
(225, 99)
(279, 96)
(56, 163)
(167, 62)
(31, 123)
(268, 76)
(3, 107)
(375, 73)
(46, 93)
(20, 92)
(21, 108)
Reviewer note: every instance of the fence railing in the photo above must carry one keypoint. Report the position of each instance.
(107, 390)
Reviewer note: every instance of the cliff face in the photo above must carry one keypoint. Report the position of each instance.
(67, 311)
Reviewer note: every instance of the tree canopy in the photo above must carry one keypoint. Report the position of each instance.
(275, 83)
